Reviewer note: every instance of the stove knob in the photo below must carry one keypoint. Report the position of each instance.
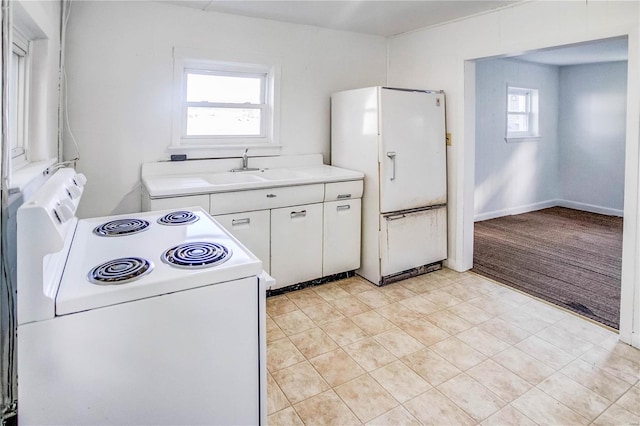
(64, 211)
(80, 179)
(74, 192)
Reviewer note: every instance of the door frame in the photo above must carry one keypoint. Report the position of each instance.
(464, 211)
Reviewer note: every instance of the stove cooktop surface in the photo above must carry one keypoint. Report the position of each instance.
(140, 258)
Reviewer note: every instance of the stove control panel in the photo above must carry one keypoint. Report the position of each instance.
(46, 223)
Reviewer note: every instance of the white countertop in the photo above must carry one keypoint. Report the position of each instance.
(176, 185)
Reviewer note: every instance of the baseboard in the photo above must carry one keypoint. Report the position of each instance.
(546, 204)
(450, 263)
(589, 208)
(516, 210)
(632, 339)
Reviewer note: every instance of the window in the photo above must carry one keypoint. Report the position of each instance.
(18, 90)
(223, 104)
(522, 113)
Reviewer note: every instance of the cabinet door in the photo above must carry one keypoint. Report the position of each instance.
(253, 230)
(296, 244)
(341, 246)
(412, 239)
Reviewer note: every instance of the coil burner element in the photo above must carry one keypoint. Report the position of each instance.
(181, 217)
(196, 255)
(120, 271)
(119, 227)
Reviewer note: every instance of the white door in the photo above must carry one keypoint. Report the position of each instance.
(341, 244)
(296, 244)
(252, 229)
(413, 239)
(412, 150)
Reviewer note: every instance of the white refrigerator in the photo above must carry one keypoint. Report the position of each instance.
(397, 138)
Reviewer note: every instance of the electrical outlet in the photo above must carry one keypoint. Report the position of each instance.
(448, 138)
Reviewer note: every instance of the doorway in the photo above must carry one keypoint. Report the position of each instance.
(572, 156)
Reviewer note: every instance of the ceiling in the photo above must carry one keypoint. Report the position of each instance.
(391, 17)
(607, 50)
(376, 17)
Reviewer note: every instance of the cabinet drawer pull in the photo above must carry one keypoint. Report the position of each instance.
(342, 196)
(271, 195)
(301, 213)
(345, 207)
(242, 221)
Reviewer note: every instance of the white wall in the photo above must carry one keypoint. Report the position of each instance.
(120, 71)
(593, 103)
(517, 176)
(441, 57)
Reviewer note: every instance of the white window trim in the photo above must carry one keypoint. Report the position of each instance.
(533, 113)
(21, 45)
(202, 147)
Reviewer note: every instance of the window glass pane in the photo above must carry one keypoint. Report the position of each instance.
(14, 101)
(518, 102)
(223, 121)
(518, 123)
(223, 89)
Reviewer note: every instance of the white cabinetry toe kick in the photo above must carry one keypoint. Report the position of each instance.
(388, 279)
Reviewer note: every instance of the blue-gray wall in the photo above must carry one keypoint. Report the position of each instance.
(512, 176)
(592, 134)
(577, 162)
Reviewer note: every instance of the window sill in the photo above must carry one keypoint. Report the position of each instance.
(225, 151)
(27, 176)
(514, 139)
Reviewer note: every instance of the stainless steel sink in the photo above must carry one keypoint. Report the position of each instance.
(279, 174)
(231, 178)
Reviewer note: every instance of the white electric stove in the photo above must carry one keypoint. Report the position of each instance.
(148, 318)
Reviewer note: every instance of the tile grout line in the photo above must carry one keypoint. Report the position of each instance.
(444, 308)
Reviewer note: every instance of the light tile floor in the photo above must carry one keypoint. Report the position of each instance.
(444, 348)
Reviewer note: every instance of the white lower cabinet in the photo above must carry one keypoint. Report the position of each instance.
(296, 244)
(300, 233)
(341, 237)
(253, 230)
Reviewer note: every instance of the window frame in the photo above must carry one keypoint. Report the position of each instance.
(198, 145)
(20, 47)
(531, 112)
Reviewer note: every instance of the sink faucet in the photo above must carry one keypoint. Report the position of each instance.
(245, 159)
(245, 163)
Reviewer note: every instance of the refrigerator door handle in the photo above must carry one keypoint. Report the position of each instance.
(392, 156)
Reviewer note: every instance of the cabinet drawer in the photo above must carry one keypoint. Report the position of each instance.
(262, 199)
(412, 239)
(343, 190)
(253, 230)
(179, 202)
